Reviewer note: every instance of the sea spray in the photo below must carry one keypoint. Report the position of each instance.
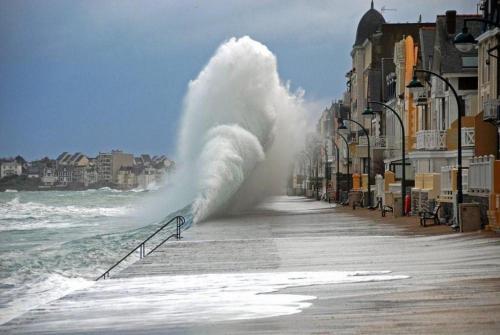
(239, 123)
(236, 151)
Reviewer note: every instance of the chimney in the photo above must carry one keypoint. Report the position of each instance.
(451, 21)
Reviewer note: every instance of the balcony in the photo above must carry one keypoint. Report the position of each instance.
(491, 110)
(379, 142)
(431, 140)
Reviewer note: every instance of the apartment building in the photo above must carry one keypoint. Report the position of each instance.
(104, 167)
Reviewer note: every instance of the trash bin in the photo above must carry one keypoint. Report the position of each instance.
(355, 198)
(397, 208)
(470, 217)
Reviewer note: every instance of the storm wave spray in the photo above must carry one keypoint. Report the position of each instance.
(239, 129)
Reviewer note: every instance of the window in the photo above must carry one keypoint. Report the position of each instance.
(485, 66)
(443, 114)
(469, 61)
(467, 83)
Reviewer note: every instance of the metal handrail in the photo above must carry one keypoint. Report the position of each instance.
(142, 246)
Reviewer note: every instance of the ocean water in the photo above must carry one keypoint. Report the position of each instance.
(52, 243)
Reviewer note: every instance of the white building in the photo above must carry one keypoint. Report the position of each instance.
(49, 176)
(10, 168)
(146, 176)
(90, 175)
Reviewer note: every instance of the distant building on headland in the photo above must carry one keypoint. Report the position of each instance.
(73, 171)
(10, 167)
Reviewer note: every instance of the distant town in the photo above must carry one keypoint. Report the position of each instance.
(77, 171)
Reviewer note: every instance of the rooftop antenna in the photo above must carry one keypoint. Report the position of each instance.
(385, 9)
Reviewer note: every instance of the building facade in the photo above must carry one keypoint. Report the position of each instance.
(385, 59)
(10, 168)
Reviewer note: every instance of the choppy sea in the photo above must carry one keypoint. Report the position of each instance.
(54, 242)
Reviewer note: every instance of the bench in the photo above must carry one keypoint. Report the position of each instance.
(386, 209)
(427, 215)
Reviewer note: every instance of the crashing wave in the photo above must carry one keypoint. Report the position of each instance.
(239, 124)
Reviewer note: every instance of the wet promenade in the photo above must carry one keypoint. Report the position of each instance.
(292, 266)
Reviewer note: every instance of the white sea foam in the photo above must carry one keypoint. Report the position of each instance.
(106, 188)
(32, 215)
(34, 294)
(203, 298)
(150, 187)
(239, 130)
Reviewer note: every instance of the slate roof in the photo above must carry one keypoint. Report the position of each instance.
(146, 158)
(61, 156)
(426, 43)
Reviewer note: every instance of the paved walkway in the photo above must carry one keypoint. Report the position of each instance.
(219, 280)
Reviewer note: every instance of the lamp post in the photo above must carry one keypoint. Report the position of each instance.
(315, 152)
(342, 126)
(368, 111)
(348, 160)
(309, 158)
(337, 192)
(317, 170)
(303, 165)
(325, 148)
(415, 85)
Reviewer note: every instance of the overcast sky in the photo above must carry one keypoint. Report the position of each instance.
(98, 75)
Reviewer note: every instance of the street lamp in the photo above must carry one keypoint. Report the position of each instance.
(304, 160)
(309, 158)
(369, 112)
(348, 160)
(325, 148)
(337, 192)
(465, 42)
(416, 84)
(342, 126)
(317, 151)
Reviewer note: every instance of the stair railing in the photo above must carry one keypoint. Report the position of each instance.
(142, 246)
